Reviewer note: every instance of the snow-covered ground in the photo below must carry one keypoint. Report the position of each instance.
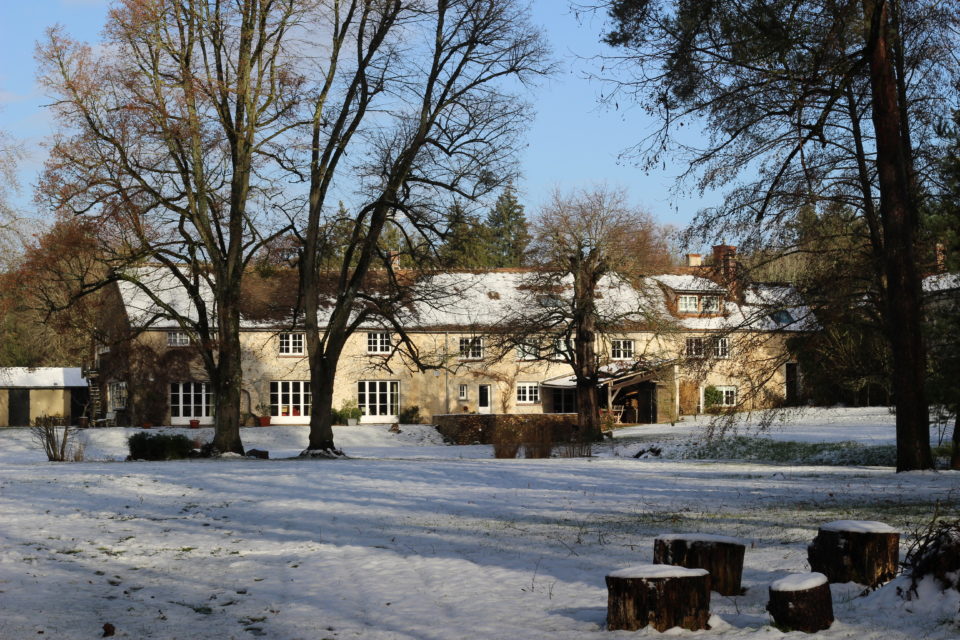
(411, 539)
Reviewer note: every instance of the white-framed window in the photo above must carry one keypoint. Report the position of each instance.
(190, 400)
(379, 342)
(379, 397)
(710, 304)
(291, 344)
(621, 349)
(463, 392)
(528, 393)
(687, 304)
(471, 348)
(527, 351)
(290, 398)
(178, 339)
(102, 348)
(728, 396)
(694, 347)
(721, 347)
(117, 394)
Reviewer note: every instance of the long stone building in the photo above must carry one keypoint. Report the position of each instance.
(680, 343)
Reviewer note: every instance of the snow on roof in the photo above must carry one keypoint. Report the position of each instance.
(685, 282)
(490, 298)
(41, 377)
(145, 311)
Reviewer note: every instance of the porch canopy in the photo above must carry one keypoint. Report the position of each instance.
(616, 377)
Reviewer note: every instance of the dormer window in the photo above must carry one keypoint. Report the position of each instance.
(706, 304)
(781, 317)
(687, 304)
(710, 304)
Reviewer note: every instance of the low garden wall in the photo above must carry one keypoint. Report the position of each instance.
(475, 428)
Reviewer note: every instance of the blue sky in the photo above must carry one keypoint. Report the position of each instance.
(574, 142)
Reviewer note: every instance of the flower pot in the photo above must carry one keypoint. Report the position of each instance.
(264, 421)
(352, 422)
(147, 425)
(83, 422)
(194, 424)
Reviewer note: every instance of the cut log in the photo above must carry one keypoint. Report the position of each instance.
(658, 595)
(722, 556)
(801, 602)
(859, 551)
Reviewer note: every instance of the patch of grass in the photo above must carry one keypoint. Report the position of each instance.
(812, 453)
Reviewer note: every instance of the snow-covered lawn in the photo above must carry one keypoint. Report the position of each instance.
(414, 539)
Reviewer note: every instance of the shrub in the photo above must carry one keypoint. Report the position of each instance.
(159, 446)
(712, 398)
(537, 440)
(336, 417)
(410, 415)
(935, 552)
(506, 444)
(58, 442)
(350, 410)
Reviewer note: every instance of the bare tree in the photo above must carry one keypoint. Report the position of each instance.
(10, 233)
(591, 250)
(412, 109)
(170, 137)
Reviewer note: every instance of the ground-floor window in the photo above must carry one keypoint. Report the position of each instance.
(528, 393)
(722, 396)
(564, 401)
(290, 398)
(190, 400)
(378, 397)
(117, 395)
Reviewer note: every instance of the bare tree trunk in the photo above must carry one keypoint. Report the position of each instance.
(898, 213)
(321, 414)
(227, 383)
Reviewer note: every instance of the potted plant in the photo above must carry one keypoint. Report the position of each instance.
(264, 418)
(351, 412)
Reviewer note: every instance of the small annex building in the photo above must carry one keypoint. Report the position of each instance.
(30, 393)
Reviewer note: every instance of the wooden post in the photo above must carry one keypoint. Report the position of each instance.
(861, 551)
(801, 602)
(722, 556)
(658, 595)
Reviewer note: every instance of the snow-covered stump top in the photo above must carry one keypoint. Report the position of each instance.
(858, 526)
(862, 551)
(799, 582)
(659, 595)
(722, 556)
(802, 602)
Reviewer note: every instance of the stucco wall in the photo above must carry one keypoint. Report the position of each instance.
(4, 408)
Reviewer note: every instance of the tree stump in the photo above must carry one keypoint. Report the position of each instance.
(859, 551)
(722, 556)
(801, 602)
(658, 595)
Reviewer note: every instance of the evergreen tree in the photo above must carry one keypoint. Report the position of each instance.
(506, 227)
(465, 243)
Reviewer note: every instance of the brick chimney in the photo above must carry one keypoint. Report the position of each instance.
(694, 260)
(725, 261)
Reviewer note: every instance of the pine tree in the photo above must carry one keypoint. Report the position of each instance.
(506, 226)
(465, 244)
